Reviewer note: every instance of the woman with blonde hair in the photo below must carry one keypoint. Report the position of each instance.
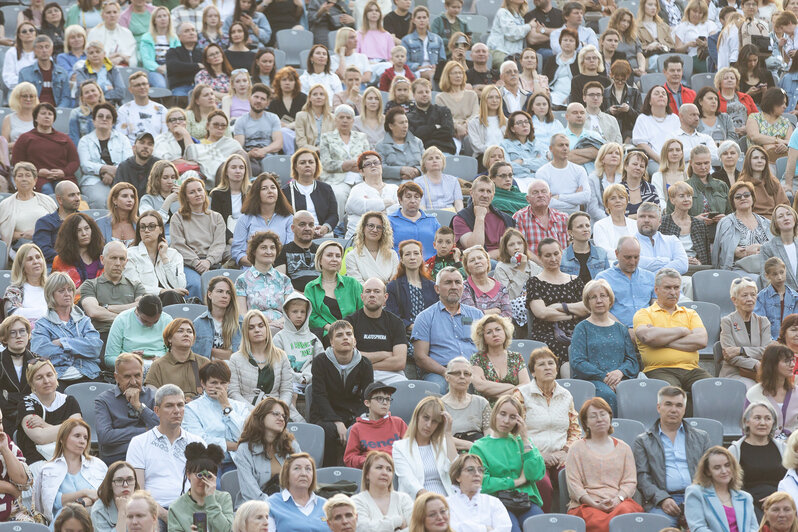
(251, 516)
(373, 254)
(629, 45)
(162, 192)
(441, 191)
(672, 168)
(496, 370)
(371, 119)
(259, 369)
(488, 127)
(530, 79)
(428, 440)
(75, 40)
(154, 44)
(607, 231)
(200, 105)
(25, 295)
(233, 184)
(380, 508)
(461, 101)
(479, 289)
(236, 103)
(779, 513)
(22, 100)
(216, 145)
(212, 30)
(430, 514)
(737, 104)
(784, 227)
(691, 230)
(373, 40)
(346, 55)
(298, 478)
(113, 36)
(80, 121)
(606, 173)
(591, 68)
(315, 111)
(221, 343)
(350, 95)
(510, 33)
(171, 144)
(635, 180)
(715, 500)
(692, 33)
(729, 40)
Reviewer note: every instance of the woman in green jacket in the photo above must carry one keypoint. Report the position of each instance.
(332, 296)
(510, 459)
(202, 463)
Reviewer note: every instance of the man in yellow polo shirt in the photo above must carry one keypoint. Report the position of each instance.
(669, 336)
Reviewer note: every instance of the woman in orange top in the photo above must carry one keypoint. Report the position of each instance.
(81, 261)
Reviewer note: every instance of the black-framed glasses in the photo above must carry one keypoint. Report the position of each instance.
(743, 195)
(148, 227)
(372, 163)
(127, 481)
(382, 399)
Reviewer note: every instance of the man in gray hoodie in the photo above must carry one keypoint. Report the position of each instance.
(340, 378)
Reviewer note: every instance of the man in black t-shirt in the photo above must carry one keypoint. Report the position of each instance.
(397, 21)
(380, 335)
(297, 258)
(549, 18)
(478, 74)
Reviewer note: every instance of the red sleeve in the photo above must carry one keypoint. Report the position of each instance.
(460, 228)
(748, 102)
(353, 455)
(20, 151)
(72, 160)
(385, 80)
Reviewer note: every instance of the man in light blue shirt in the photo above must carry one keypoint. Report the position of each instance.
(573, 13)
(138, 330)
(575, 130)
(633, 287)
(657, 251)
(443, 331)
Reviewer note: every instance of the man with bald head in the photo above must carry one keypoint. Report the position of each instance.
(633, 287)
(689, 136)
(296, 259)
(109, 294)
(184, 61)
(568, 183)
(479, 74)
(67, 195)
(379, 334)
(538, 221)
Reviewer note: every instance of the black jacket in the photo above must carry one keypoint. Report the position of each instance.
(434, 127)
(182, 65)
(332, 398)
(631, 96)
(277, 106)
(12, 390)
(129, 171)
(323, 200)
(222, 203)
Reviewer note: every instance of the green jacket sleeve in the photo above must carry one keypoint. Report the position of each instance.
(490, 482)
(534, 466)
(315, 295)
(219, 508)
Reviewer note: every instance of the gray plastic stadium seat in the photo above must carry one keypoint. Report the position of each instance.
(701, 80)
(408, 394)
(712, 427)
(224, 272)
(329, 475)
(308, 396)
(720, 399)
(185, 310)
(603, 24)
(525, 347)
(279, 165)
(85, 393)
(488, 8)
(580, 390)
(279, 59)
(61, 123)
(637, 399)
(710, 315)
(14, 526)
(435, 7)
(717, 357)
(627, 430)
(478, 24)
(713, 286)
(554, 523)
(229, 483)
(562, 490)
(651, 79)
(292, 42)
(5, 280)
(461, 166)
(3, 255)
(444, 217)
(96, 214)
(310, 438)
(639, 523)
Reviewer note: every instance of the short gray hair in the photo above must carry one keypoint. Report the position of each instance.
(448, 269)
(506, 65)
(112, 244)
(537, 182)
(727, 145)
(344, 109)
(666, 272)
(167, 390)
(42, 38)
(246, 511)
(648, 206)
(740, 283)
(457, 360)
(747, 416)
(55, 282)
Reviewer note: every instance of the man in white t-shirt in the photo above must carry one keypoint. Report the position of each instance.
(570, 189)
(142, 115)
(157, 456)
(690, 137)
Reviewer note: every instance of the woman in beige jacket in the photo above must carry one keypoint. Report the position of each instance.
(316, 108)
(259, 369)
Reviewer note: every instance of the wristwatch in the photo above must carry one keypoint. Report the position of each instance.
(543, 30)
(227, 411)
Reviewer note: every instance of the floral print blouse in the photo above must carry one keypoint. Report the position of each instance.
(264, 291)
(220, 83)
(515, 365)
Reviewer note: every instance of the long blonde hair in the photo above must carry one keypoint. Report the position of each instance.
(170, 30)
(419, 515)
(386, 240)
(18, 277)
(273, 353)
(434, 406)
(483, 106)
(664, 164)
(376, 91)
(325, 110)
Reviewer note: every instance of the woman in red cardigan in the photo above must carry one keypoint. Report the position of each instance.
(52, 152)
(738, 105)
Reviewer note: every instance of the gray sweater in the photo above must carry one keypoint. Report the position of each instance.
(202, 236)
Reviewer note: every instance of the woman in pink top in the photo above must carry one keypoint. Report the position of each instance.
(373, 40)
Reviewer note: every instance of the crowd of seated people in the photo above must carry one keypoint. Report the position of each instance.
(330, 242)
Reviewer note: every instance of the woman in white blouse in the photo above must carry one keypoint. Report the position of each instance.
(379, 507)
(373, 254)
(441, 191)
(471, 509)
(118, 41)
(25, 295)
(692, 32)
(19, 212)
(487, 128)
(319, 72)
(608, 171)
(607, 231)
(655, 123)
(370, 195)
(20, 55)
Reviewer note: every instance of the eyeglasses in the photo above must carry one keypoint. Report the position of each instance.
(505, 175)
(176, 119)
(17, 333)
(127, 481)
(218, 124)
(382, 399)
(471, 470)
(374, 227)
(459, 373)
(743, 195)
(104, 117)
(148, 227)
(278, 414)
(29, 30)
(372, 163)
(521, 123)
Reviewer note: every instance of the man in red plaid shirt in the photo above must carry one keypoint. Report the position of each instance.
(537, 221)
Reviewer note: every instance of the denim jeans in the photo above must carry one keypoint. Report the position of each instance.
(518, 520)
(193, 282)
(157, 80)
(678, 499)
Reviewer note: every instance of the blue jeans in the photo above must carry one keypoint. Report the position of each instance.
(193, 282)
(438, 379)
(182, 90)
(48, 188)
(157, 80)
(518, 520)
(678, 499)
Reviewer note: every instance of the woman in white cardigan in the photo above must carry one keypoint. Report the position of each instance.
(376, 493)
(424, 455)
(72, 468)
(607, 231)
(19, 212)
(258, 354)
(370, 195)
(372, 254)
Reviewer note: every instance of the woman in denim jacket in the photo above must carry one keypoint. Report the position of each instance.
(579, 231)
(222, 308)
(414, 42)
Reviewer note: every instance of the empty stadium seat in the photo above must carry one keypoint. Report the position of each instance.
(185, 310)
(627, 430)
(554, 523)
(408, 394)
(639, 523)
(525, 347)
(713, 286)
(580, 390)
(310, 438)
(330, 475)
(722, 400)
(85, 393)
(637, 399)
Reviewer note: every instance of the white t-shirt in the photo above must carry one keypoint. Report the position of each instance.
(310, 207)
(235, 201)
(34, 306)
(791, 256)
(494, 135)
(133, 119)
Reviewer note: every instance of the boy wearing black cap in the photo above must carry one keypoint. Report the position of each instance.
(136, 169)
(376, 430)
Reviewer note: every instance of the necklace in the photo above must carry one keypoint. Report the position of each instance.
(632, 189)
